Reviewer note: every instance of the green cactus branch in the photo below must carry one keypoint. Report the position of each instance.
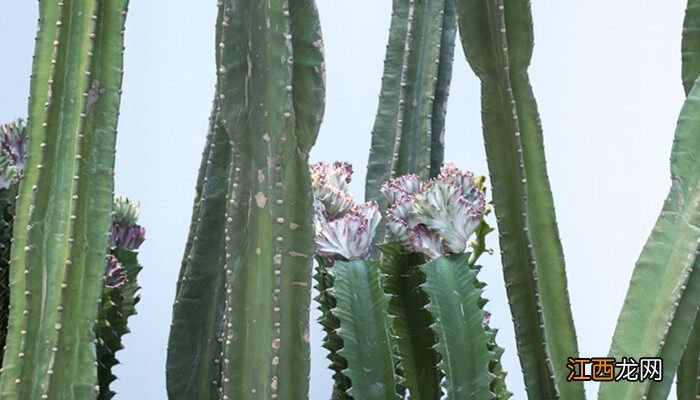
(409, 128)
(271, 97)
(690, 45)
(497, 39)
(368, 343)
(663, 290)
(688, 376)
(411, 322)
(65, 201)
(194, 352)
(456, 305)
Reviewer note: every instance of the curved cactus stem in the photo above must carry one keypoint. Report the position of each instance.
(407, 136)
(688, 376)
(271, 94)
(411, 322)
(118, 304)
(368, 345)
(196, 207)
(463, 342)
(332, 342)
(194, 353)
(497, 39)
(65, 201)
(663, 289)
(690, 46)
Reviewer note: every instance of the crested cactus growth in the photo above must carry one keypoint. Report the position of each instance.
(270, 96)
(64, 203)
(408, 133)
(497, 38)
(120, 293)
(434, 309)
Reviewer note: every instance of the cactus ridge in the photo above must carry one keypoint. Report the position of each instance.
(497, 40)
(408, 132)
(365, 330)
(60, 238)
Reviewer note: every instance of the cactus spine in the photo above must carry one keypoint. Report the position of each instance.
(497, 39)
(65, 201)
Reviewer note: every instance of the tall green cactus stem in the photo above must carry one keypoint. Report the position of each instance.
(368, 343)
(690, 45)
(664, 292)
(271, 90)
(456, 305)
(65, 201)
(688, 384)
(194, 364)
(497, 38)
(411, 322)
(408, 133)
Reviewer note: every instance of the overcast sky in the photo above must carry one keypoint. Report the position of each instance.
(606, 75)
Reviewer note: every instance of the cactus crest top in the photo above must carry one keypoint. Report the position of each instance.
(13, 140)
(344, 230)
(436, 217)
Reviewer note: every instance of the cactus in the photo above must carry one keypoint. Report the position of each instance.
(688, 382)
(13, 137)
(690, 45)
(198, 311)
(270, 96)
(408, 133)
(64, 202)
(497, 40)
(431, 316)
(120, 293)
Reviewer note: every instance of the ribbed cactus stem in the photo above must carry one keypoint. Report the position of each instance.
(194, 351)
(408, 133)
(65, 201)
(271, 99)
(497, 38)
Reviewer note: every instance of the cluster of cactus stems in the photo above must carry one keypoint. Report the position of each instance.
(412, 321)
(401, 304)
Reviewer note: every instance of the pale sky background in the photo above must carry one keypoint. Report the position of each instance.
(606, 75)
